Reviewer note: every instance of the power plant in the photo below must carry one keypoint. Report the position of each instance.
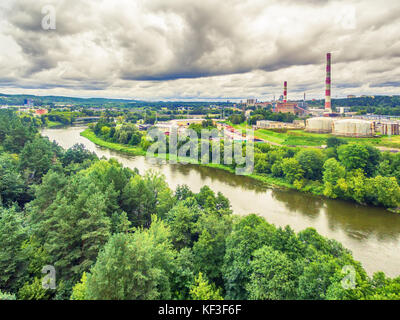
(287, 107)
(326, 121)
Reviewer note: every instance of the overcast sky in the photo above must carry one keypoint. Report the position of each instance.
(199, 49)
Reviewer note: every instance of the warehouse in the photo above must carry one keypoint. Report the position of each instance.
(268, 124)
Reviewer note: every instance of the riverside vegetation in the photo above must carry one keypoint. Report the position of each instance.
(111, 233)
(350, 171)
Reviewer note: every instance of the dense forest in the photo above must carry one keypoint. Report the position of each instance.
(111, 233)
(19, 99)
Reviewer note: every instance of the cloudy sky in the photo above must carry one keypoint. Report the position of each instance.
(198, 49)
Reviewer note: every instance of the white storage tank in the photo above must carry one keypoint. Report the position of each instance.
(319, 125)
(390, 128)
(354, 128)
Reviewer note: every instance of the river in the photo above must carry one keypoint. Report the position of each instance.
(372, 234)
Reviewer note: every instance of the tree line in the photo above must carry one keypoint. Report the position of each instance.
(349, 171)
(379, 105)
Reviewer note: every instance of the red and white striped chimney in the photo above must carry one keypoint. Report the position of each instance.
(328, 83)
(285, 91)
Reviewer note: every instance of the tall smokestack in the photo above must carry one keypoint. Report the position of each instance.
(285, 91)
(328, 83)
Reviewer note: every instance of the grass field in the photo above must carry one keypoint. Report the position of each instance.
(302, 138)
(52, 124)
(135, 151)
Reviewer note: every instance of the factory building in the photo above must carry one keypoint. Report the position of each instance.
(287, 107)
(353, 128)
(263, 104)
(251, 102)
(187, 122)
(343, 110)
(319, 125)
(268, 124)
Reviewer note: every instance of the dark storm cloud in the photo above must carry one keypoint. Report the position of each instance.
(386, 84)
(198, 47)
(348, 85)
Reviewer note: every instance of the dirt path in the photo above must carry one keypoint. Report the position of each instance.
(393, 150)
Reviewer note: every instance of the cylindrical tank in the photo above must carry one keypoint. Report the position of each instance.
(353, 128)
(390, 128)
(319, 125)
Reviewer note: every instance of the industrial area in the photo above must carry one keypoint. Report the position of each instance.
(340, 123)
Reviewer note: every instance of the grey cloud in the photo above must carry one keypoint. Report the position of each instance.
(386, 84)
(188, 47)
(348, 85)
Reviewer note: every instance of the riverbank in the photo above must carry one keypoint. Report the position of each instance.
(54, 124)
(138, 151)
(134, 151)
(267, 180)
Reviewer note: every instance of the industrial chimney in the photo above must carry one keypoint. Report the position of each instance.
(285, 92)
(328, 84)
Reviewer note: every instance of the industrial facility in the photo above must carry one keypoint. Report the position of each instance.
(268, 124)
(388, 128)
(319, 125)
(325, 120)
(353, 128)
(300, 109)
(287, 107)
(345, 127)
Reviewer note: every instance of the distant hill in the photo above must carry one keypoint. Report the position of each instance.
(18, 99)
(7, 99)
(389, 105)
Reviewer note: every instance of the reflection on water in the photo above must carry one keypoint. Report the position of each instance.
(299, 203)
(372, 234)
